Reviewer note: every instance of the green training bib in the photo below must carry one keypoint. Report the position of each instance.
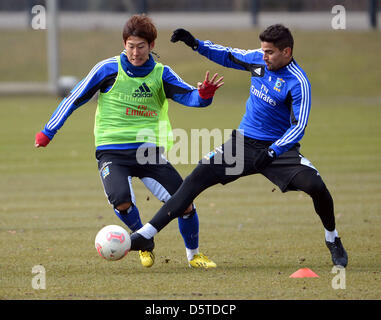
(134, 110)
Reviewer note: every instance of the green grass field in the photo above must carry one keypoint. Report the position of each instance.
(52, 203)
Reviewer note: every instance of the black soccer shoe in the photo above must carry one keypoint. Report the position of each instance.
(138, 242)
(339, 255)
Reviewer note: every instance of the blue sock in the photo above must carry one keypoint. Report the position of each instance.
(189, 230)
(130, 217)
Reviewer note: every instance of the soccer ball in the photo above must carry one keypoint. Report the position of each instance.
(112, 242)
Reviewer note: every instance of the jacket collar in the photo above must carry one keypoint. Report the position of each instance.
(134, 71)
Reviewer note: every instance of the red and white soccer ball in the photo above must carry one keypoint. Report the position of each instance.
(112, 242)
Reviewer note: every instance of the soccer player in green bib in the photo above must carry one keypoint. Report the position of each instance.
(132, 129)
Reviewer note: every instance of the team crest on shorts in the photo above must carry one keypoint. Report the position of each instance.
(211, 154)
(105, 171)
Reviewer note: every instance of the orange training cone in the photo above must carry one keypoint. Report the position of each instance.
(304, 273)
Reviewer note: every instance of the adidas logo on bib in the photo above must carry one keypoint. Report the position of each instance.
(142, 92)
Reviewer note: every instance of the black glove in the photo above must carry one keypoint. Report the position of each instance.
(264, 158)
(186, 37)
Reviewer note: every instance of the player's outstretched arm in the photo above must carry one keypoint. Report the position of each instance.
(207, 89)
(186, 37)
(81, 93)
(226, 56)
(178, 90)
(41, 140)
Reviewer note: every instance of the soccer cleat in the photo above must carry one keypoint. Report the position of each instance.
(339, 255)
(147, 258)
(201, 261)
(138, 242)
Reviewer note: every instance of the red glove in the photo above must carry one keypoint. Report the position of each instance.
(207, 89)
(41, 140)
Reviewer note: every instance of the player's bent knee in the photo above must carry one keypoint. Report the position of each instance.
(189, 209)
(124, 206)
(189, 212)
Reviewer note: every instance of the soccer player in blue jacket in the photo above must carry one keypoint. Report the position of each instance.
(125, 83)
(267, 140)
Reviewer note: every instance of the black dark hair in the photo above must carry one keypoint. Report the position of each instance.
(279, 35)
(140, 25)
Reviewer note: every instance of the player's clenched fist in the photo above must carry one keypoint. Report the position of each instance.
(186, 37)
(41, 140)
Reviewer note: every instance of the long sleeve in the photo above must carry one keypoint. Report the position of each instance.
(300, 110)
(178, 90)
(99, 76)
(229, 57)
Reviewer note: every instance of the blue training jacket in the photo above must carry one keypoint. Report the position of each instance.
(279, 104)
(103, 76)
